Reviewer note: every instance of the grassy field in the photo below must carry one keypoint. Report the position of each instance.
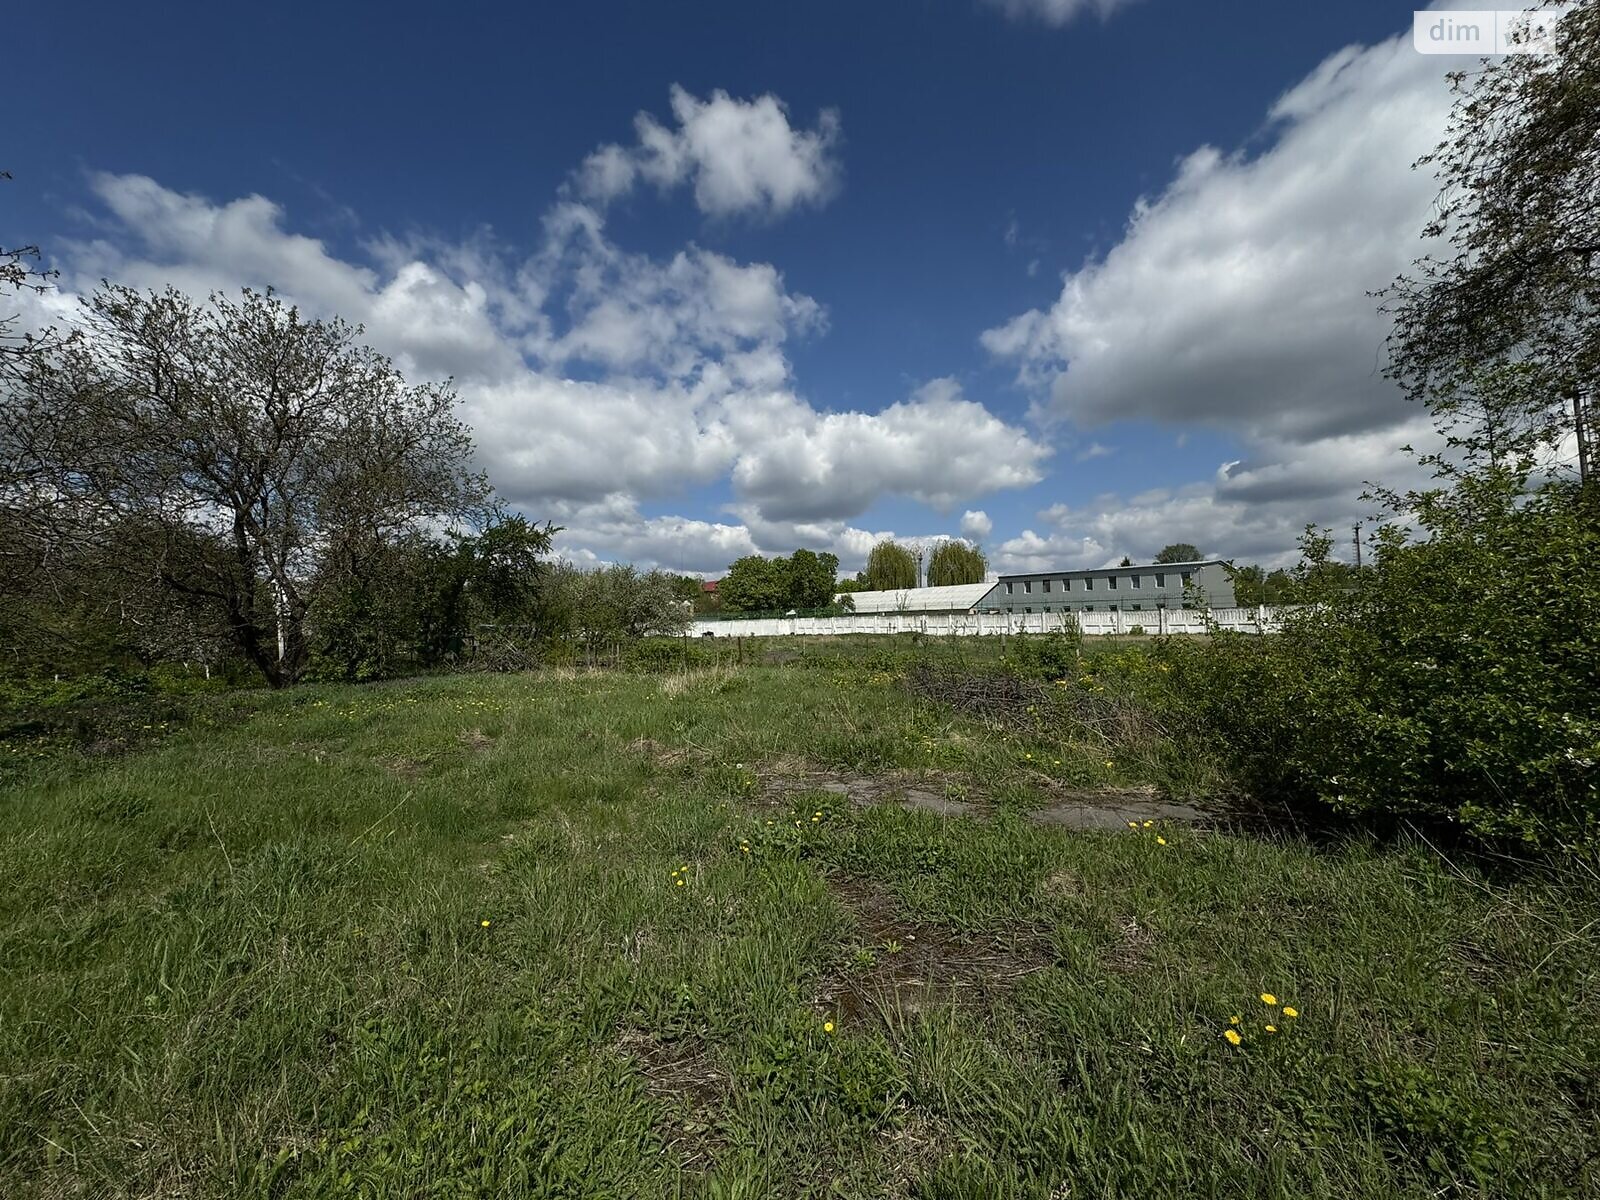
(621, 935)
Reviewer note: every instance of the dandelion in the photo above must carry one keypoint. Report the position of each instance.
(827, 1027)
(679, 882)
(1233, 1036)
(1268, 998)
(814, 820)
(1161, 841)
(1236, 1020)
(484, 923)
(1109, 764)
(1133, 824)
(1291, 1013)
(1272, 1029)
(1149, 824)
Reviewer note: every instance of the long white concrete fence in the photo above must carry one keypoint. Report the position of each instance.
(1157, 621)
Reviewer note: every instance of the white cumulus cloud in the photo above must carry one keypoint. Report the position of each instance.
(1239, 299)
(741, 157)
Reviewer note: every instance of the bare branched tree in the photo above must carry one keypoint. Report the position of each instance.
(236, 456)
(1519, 287)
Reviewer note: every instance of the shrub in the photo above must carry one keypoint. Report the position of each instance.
(1044, 655)
(1455, 684)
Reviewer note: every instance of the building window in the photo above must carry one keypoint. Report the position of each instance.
(1161, 604)
(1138, 608)
(1027, 610)
(1112, 583)
(1161, 581)
(1186, 578)
(1027, 585)
(1138, 582)
(1088, 583)
(1088, 608)
(1008, 588)
(1045, 587)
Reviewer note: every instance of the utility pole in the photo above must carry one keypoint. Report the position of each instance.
(1583, 437)
(1358, 545)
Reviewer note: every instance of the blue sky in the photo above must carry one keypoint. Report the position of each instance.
(1074, 278)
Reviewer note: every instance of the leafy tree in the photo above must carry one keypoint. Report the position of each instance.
(1501, 332)
(1178, 552)
(811, 579)
(755, 584)
(956, 562)
(250, 462)
(605, 608)
(890, 567)
(1126, 561)
(805, 580)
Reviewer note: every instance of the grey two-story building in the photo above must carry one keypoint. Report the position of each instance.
(1110, 589)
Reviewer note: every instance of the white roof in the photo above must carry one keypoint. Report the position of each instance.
(929, 599)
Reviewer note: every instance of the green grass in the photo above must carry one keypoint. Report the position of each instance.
(252, 961)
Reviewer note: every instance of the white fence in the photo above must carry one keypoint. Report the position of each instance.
(1157, 621)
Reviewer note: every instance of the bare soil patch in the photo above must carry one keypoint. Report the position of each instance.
(403, 768)
(902, 965)
(953, 796)
(683, 1075)
(476, 739)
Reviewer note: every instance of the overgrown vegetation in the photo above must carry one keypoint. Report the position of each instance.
(597, 934)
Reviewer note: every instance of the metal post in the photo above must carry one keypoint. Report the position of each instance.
(1582, 434)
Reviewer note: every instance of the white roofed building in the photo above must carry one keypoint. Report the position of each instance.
(962, 598)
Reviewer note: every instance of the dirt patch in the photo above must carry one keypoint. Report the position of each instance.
(656, 752)
(1131, 951)
(901, 965)
(476, 739)
(1113, 808)
(935, 794)
(951, 796)
(403, 768)
(682, 1074)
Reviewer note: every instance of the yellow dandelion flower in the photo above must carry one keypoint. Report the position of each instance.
(814, 820)
(1109, 764)
(1133, 824)
(679, 882)
(1233, 1036)
(818, 812)
(1271, 1028)
(1161, 841)
(1149, 824)
(484, 923)
(1291, 1013)
(1236, 1020)
(685, 870)
(827, 1027)
(1268, 998)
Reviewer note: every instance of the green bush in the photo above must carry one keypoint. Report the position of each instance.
(1455, 684)
(1044, 655)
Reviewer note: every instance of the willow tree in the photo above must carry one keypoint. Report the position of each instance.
(239, 457)
(956, 562)
(890, 567)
